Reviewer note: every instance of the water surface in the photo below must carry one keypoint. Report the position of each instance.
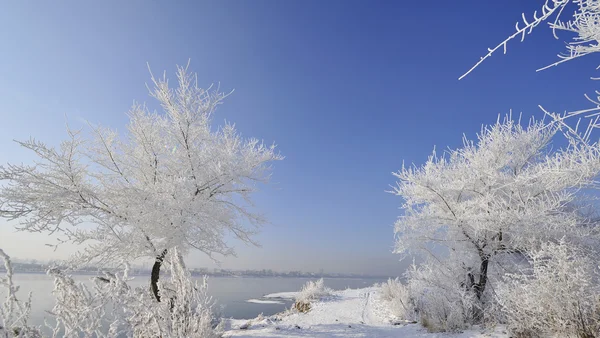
(230, 293)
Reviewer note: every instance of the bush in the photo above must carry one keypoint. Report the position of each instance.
(14, 313)
(185, 312)
(400, 301)
(441, 302)
(311, 291)
(558, 295)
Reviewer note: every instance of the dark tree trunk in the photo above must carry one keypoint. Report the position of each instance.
(156, 274)
(483, 269)
(479, 287)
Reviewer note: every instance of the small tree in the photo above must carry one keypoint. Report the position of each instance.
(500, 196)
(169, 181)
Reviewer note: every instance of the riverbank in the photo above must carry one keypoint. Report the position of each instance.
(347, 313)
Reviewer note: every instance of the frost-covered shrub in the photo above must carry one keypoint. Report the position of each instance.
(311, 291)
(77, 310)
(189, 311)
(115, 309)
(559, 295)
(442, 302)
(400, 301)
(14, 313)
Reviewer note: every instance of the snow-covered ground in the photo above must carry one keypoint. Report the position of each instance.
(348, 313)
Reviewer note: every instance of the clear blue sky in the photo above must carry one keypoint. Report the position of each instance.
(348, 90)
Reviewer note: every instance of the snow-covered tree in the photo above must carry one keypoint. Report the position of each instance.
(170, 180)
(498, 197)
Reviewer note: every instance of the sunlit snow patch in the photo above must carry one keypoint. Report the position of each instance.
(282, 295)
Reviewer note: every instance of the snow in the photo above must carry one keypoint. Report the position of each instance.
(262, 301)
(347, 313)
(283, 295)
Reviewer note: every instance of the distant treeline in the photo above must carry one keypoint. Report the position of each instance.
(42, 268)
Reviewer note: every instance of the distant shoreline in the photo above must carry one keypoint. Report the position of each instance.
(209, 274)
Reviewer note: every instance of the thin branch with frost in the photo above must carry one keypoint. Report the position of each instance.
(585, 24)
(549, 8)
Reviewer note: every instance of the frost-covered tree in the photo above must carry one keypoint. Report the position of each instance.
(498, 197)
(170, 180)
(554, 296)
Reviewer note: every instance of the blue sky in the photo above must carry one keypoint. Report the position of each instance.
(348, 90)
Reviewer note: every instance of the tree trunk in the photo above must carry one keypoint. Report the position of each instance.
(156, 274)
(483, 268)
(479, 288)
